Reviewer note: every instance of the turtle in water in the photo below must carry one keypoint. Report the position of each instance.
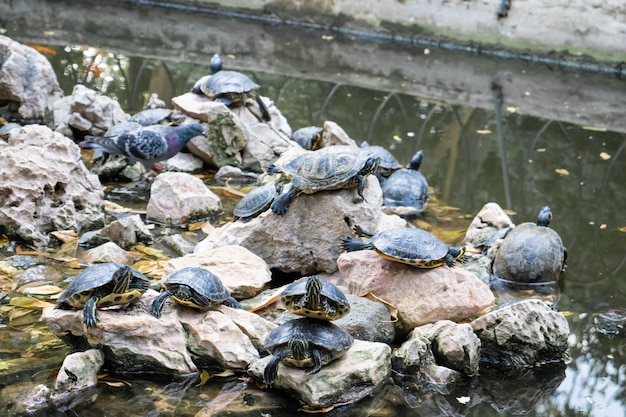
(415, 247)
(256, 202)
(231, 88)
(315, 297)
(388, 163)
(330, 168)
(305, 343)
(309, 137)
(102, 285)
(531, 252)
(407, 188)
(194, 287)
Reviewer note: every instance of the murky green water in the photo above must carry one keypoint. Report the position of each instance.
(496, 151)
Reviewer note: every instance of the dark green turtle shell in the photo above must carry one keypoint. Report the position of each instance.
(255, 202)
(329, 168)
(319, 333)
(201, 281)
(415, 246)
(388, 163)
(330, 296)
(151, 116)
(406, 188)
(308, 137)
(224, 83)
(92, 279)
(122, 128)
(530, 253)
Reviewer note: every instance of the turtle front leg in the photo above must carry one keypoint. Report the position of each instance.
(157, 304)
(329, 309)
(282, 202)
(270, 373)
(360, 181)
(316, 354)
(90, 316)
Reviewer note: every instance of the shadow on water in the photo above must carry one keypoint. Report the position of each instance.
(521, 135)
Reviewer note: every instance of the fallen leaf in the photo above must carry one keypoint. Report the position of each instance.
(483, 131)
(397, 138)
(65, 235)
(4, 365)
(195, 226)
(4, 240)
(112, 207)
(561, 171)
(393, 310)
(149, 267)
(511, 109)
(231, 192)
(603, 226)
(151, 251)
(605, 155)
(7, 269)
(45, 289)
(19, 317)
(267, 302)
(29, 303)
(594, 129)
(622, 229)
(117, 384)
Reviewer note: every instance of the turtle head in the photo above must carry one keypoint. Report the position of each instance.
(455, 254)
(299, 346)
(416, 160)
(314, 292)
(371, 165)
(544, 217)
(121, 279)
(215, 63)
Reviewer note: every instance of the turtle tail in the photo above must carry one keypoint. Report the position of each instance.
(350, 244)
(157, 304)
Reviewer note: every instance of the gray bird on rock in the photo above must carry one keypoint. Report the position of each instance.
(148, 145)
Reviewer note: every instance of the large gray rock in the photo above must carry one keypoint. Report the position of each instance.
(27, 77)
(522, 334)
(44, 186)
(421, 296)
(125, 232)
(368, 320)
(178, 198)
(87, 111)
(305, 239)
(79, 370)
(354, 376)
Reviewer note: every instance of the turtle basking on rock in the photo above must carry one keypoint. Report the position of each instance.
(315, 297)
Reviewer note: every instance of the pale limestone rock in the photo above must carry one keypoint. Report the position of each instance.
(88, 111)
(242, 272)
(368, 320)
(305, 239)
(125, 232)
(251, 324)
(44, 186)
(108, 252)
(183, 162)
(178, 198)
(421, 295)
(27, 78)
(522, 334)
(355, 375)
(333, 134)
(485, 224)
(26, 399)
(79, 371)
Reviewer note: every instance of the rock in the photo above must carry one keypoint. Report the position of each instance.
(333, 134)
(368, 320)
(354, 376)
(230, 173)
(178, 198)
(43, 273)
(26, 399)
(183, 162)
(125, 232)
(108, 252)
(454, 346)
(484, 225)
(178, 243)
(27, 78)
(44, 186)
(522, 334)
(242, 272)
(87, 111)
(421, 295)
(305, 239)
(252, 325)
(184, 338)
(79, 371)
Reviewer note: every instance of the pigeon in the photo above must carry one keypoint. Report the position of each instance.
(148, 144)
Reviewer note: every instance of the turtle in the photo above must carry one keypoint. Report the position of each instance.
(410, 246)
(256, 202)
(531, 252)
(315, 297)
(330, 168)
(155, 116)
(407, 188)
(194, 287)
(230, 88)
(305, 343)
(308, 138)
(102, 285)
(388, 163)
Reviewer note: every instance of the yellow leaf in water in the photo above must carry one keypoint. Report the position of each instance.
(46, 289)
(117, 384)
(397, 138)
(23, 316)
(3, 240)
(231, 192)
(603, 226)
(29, 303)
(204, 377)
(267, 302)
(594, 129)
(483, 131)
(4, 365)
(561, 171)
(622, 229)
(149, 267)
(65, 235)
(195, 226)
(605, 155)
(511, 109)
(5, 268)
(151, 251)
(112, 207)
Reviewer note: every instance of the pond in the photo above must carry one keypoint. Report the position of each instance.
(519, 134)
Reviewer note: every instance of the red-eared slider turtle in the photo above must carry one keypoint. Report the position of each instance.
(330, 168)
(388, 162)
(102, 285)
(256, 202)
(194, 287)
(407, 188)
(231, 88)
(415, 247)
(315, 297)
(149, 117)
(531, 252)
(305, 343)
(309, 137)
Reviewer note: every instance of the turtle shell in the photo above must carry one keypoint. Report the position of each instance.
(95, 278)
(201, 281)
(121, 128)
(255, 202)
(412, 246)
(308, 137)
(333, 304)
(227, 82)
(388, 163)
(406, 188)
(329, 168)
(319, 333)
(530, 253)
(151, 116)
